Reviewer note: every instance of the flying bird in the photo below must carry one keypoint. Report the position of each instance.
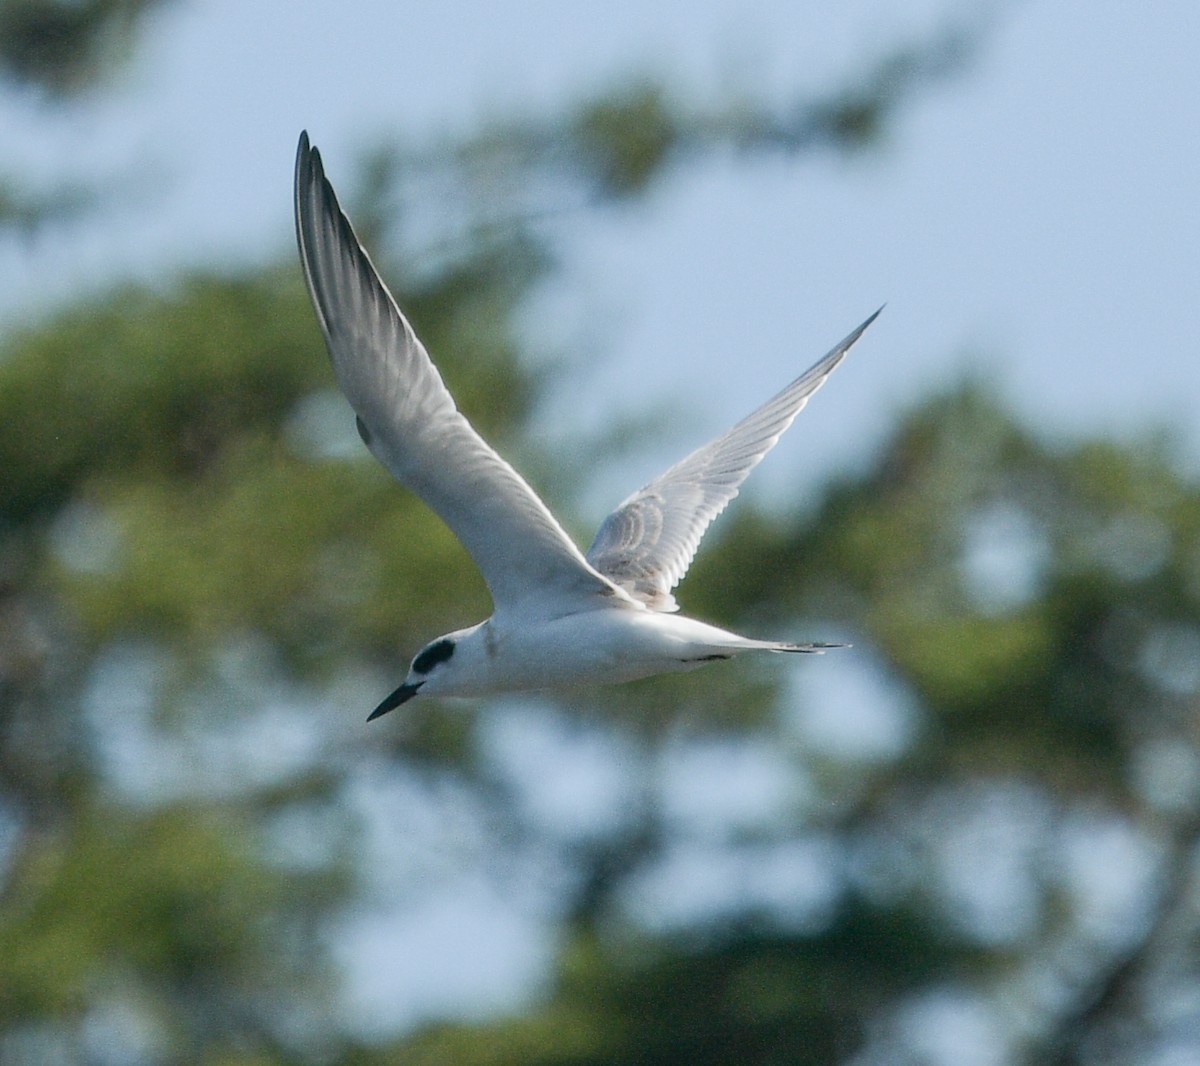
(561, 618)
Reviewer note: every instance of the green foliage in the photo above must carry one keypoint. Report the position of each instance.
(146, 387)
(64, 46)
(625, 140)
(172, 904)
(749, 995)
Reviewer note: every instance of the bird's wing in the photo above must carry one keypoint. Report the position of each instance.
(647, 544)
(408, 419)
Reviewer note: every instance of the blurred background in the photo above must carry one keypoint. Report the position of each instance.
(970, 840)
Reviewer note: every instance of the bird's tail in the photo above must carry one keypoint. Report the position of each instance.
(813, 648)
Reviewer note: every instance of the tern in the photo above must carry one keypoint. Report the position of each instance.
(561, 618)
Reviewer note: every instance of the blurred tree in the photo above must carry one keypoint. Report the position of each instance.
(55, 51)
(64, 47)
(204, 580)
(1024, 861)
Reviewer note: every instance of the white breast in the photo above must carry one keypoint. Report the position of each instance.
(591, 647)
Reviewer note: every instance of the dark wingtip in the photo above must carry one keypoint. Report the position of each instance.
(838, 351)
(304, 151)
(308, 158)
(849, 341)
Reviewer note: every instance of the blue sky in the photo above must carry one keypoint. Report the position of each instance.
(1035, 221)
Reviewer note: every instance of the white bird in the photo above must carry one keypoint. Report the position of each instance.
(561, 618)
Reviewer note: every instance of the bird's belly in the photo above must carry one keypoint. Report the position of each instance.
(601, 647)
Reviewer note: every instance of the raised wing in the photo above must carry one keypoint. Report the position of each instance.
(409, 421)
(647, 544)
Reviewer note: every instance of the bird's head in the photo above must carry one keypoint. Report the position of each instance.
(428, 665)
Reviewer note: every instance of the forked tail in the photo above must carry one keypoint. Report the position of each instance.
(814, 648)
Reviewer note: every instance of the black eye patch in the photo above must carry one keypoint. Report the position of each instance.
(437, 652)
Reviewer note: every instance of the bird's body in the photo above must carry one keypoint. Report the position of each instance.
(609, 644)
(562, 618)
